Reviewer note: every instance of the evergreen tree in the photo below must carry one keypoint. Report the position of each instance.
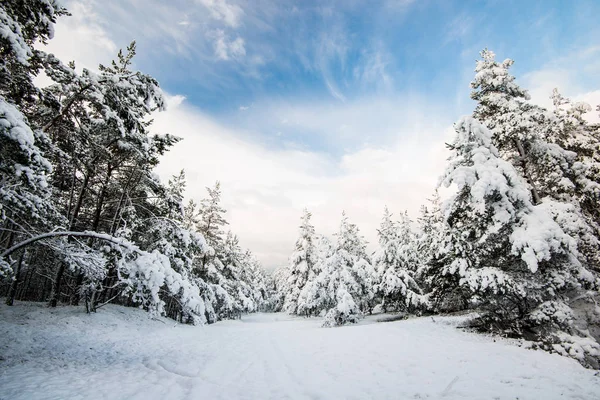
(431, 232)
(212, 221)
(395, 263)
(533, 140)
(24, 169)
(303, 264)
(501, 252)
(344, 288)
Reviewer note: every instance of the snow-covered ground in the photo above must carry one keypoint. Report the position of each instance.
(119, 353)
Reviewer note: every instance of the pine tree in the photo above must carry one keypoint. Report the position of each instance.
(25, 23)
(395, 263)
(533, 140)
(212, 220)
(77, 182)
(581, 141)
(501, 252)
(25, 208)
(304, 264)
(431, 232)
(344, 288)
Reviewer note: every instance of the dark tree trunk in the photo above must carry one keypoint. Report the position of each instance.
(523, 156)
(10, 299)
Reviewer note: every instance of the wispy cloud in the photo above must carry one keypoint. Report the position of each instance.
(226, 49)
(373, 70)
(221, 10)
(460, 27)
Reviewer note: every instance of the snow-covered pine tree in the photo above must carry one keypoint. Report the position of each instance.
(533, 140)
(24, 169)
(502, 253)
(25, 23)
(124, 234)
(97, 123)
(231, 271)
(164, 232)
(191, 215)
(212, 220)
(345, 287)
(581, 140)
(429, 237)
(259, 283)
(217, 265)
(395, 263)
(279, 288)
(304, 264)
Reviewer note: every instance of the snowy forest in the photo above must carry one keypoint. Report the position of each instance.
(84, 218)
(512, 236)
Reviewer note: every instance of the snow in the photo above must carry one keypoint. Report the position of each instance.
(120, 353)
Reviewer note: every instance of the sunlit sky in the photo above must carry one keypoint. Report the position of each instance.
(330, 105)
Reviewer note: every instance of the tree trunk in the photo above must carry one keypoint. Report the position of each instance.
(61, 267)
(101, 197)
(80, 196)
(10, 299)
(523, 156)
(128, 186)
(55, 292)
(26, 284)
(76, 296)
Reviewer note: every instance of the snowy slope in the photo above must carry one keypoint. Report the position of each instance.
(119, 353)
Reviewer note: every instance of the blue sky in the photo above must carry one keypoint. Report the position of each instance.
(331, 105)
(349, 49)
(226, 56)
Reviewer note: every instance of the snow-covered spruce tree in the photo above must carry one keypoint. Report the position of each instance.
(24, 169)
(395, 262)
(212, 220)
(344, 287)
(279, 288)
(303, 264)
(540, 146)
(581, 140)
(25, 23)
(165, 233)
(208, 219)
(97, 123)
(230, 268)
(259, 282)
(429, 237)
(502, 253)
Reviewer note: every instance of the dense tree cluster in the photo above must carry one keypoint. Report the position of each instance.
(518, 241)
(83, 215)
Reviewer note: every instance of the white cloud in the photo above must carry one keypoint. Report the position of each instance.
(81, 37)
(226, 49)
(221, 10)
(265, 189)
(572, 76)
(542, 82)
(373, 70)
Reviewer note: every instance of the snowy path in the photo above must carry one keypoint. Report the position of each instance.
(120, 354)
